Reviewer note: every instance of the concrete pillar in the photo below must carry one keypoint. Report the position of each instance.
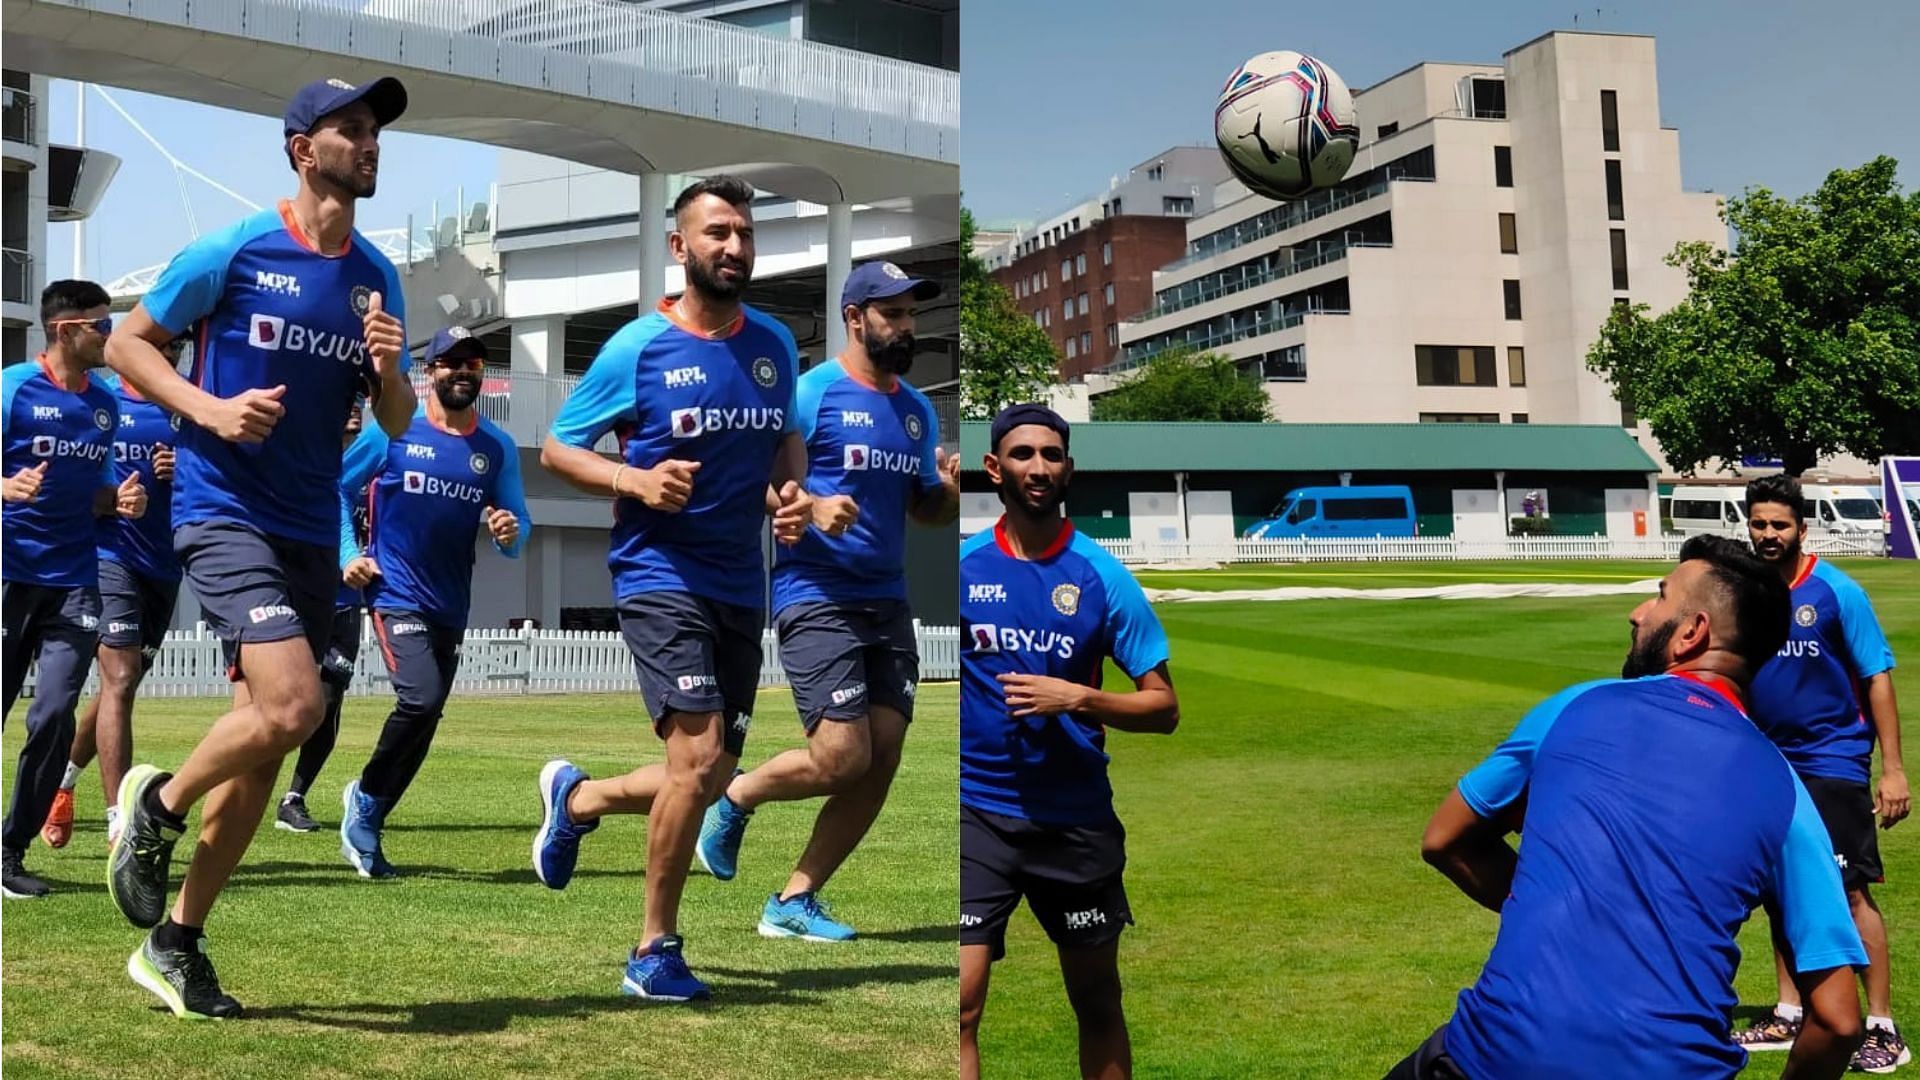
(839, 265)
(551, 543)
(653, 239)
(537, 359)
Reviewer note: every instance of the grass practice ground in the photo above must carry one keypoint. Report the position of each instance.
(468, 967)
(1286, 924)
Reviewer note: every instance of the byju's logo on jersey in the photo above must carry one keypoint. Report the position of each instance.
(279, 284)
(266, 331)
(856, 458)
(988, 638)
(990, 593)
(48, 446)
(848, 694)
(413, 483)
(686, 422)
(914, 428)
(690, 422)
(855, 418)
(273, 333)
(1805, 615)
(419, 483)
(765, 372)
(983, 638)
(685, 376)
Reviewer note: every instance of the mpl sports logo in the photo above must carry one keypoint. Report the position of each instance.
(275, 334)
(694, 422)
(278, 284)
(420, 450)
(49, 446)
(1081, 920)
(855, 418)
(858, 457)
(679, 377)
(986, 593)
(47, 412)
(418, 483)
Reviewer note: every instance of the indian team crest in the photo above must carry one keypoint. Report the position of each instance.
(1805, 615)
(102, 420)
(1066, 599)
(914, 427)
(893, 271)
(765, 373)
(360, 298)
(478, 463)
(174, 420)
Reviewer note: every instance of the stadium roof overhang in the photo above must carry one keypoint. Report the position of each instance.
(1407, 448)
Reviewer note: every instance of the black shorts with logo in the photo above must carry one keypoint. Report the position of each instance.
(1846, 806)
(1070, 875)
(841, 658)
(694, 655)
(257, 588)
(343, 648)
(135, 610)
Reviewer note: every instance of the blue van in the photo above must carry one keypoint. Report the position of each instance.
(1384, 510)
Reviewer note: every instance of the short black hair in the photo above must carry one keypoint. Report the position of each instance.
(1750, 590)
(69, 297)
(736, 191)
(1778, 488)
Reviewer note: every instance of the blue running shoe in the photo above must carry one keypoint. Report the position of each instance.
(360, 826)
(660, 973)
(557, 844)
(804, 916)
(720, 835)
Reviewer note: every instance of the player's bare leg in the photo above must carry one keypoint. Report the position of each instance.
(1093, 989)
(697, 767)
(848, 814)
(976, 970)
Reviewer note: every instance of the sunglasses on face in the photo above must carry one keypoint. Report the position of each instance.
(101, 326)
(1022, 453)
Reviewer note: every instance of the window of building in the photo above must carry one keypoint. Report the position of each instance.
(1106, 253)
(1072, 349)
(1459, 418)
(1489, 99)
(1516, 366)
(1616, 198)
(1503, 166)
(1509, 238)
(1385, 130)
(1156, 172)
(1512, 290)
(1618, 242)
(1083, 303)
(1066, 270)
(1176, 205)
(1113, 334)
(1116, 208)
(1040, 318)
(1519, 418)
(1066, 308)
(1628, 418)
(1086, 342)
(1285, 365)
(1076, 225)
(1080, 263)
(1107, 293)
(1623, 303)
(1043, 279)
(1609, 121)
(1454, 365)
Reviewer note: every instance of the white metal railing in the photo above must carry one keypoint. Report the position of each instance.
(1139, 354)
(16, 276)
(1441, 549)
(189, 663)
(17, 115)
(1182, 301)
(612, 52)
(1280, 219)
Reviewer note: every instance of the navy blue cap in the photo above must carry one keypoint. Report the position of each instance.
(880, 280)
(453, 337)
(1014, 416)
(385, 96)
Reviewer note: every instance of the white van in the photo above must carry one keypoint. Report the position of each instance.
(1722, 509)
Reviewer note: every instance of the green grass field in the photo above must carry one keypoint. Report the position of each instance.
(1287, 926)
(468, 967)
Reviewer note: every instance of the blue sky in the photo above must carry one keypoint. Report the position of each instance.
(142, 220)
(1056, 97)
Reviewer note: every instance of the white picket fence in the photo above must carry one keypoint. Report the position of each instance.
(189, 664)
(1442, 548)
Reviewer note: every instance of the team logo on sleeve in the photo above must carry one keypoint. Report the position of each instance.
(765, 372)
(102, 420)
(1805, 615)
(686, 422)
(984, 637)
(1066, 599)
(478, 463)
(360, 298)
(914, 428)
(855, 458)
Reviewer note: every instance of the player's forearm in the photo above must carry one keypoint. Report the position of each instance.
(1831, 1031)
(141, 364)
(937, 507)
(582, 468)
(789, 462)
(1886, 722)
(1151, 712)
(1480, 866)
(395, 405)
(106, 502)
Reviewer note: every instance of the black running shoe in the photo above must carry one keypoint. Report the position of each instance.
(15, 882)
(183, 979)
(293, 815)
(137, 869)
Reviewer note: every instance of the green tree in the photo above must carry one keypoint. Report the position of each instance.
(1180, 384)
(1802, 342)
(1004, 355)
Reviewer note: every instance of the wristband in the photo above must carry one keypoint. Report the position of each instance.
(616, 478)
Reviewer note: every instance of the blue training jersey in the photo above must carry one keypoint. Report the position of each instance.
(877, 447)
(49, 541)
(1061, 614)
(267, 309)
(726, 402)
(1808, 698)
(144, 544)
(1657, 818)
(426, 493)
